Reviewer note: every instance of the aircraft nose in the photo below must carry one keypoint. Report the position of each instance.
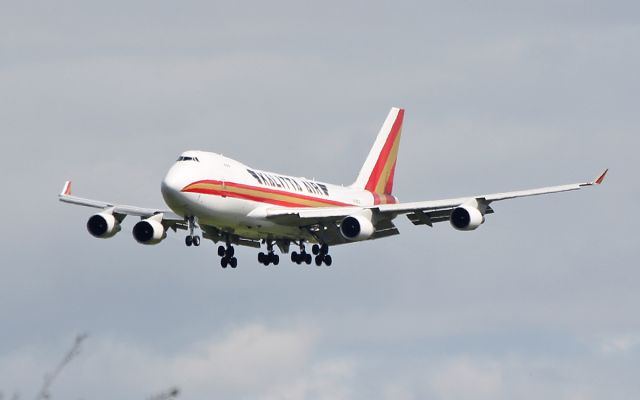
(170, 182)
(171, 187)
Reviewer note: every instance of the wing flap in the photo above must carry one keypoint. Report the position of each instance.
(309, 216)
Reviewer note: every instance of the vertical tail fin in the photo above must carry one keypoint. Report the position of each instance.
(377, 172)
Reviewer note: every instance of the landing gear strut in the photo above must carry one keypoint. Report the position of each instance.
(302, 257)
(322, 254)
(192, 239)
(227, 254)
(270, 257)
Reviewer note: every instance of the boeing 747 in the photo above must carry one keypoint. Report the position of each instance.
(231, 203)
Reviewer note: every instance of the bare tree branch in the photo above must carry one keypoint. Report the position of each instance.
(49, 378)
(169, 394)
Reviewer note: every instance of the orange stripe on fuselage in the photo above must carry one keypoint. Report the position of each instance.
(383, 199)
(262, 195)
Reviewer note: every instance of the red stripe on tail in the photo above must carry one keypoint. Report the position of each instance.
(383, 158)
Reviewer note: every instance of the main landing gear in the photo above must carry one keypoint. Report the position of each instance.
(192, 239)
(270, 257)
(302, 257)
(227, 256)
(322, 254)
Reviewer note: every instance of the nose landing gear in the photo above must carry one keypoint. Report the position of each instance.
(192, 239)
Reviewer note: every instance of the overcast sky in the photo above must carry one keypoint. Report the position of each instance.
(540, 302)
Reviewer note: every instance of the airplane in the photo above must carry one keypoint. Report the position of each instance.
(234, 204)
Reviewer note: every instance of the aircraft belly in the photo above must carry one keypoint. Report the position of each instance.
(232, 215)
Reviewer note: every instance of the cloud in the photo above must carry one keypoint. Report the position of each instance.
(250, 357)
(618, 344)
(464, 379)
(331, 379)
(265, 362)
(253, 360)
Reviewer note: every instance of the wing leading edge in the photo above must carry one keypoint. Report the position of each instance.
(124, 210)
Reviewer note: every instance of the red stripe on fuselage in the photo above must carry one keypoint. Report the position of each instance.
(383, 199)
(246, 196)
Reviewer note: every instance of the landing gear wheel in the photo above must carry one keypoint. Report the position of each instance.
(188, 241)
(307, 259)
(196, 241)
(223, 262)
(315, 249)
(327, 260)
(221, 251)
(319, 260)
(275, 259)
(324, 249)
(294, 257)
(261, 258)
(233, 262)
(230, 251)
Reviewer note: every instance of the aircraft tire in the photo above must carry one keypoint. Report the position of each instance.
(275, 259)
(315, 249)
(233, 262)
(223, 262)
(188, 241)
(327, 260)
(196, 241)
(294, 257)
(319, 260)
(307, 259)
(261, 258)
(230, 251)
(221, 251)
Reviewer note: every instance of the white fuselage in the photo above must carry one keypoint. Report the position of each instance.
(225, 193)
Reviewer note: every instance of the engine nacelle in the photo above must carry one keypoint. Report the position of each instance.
(149, 231)
(356, 227)
(103, 225)
(466, 218)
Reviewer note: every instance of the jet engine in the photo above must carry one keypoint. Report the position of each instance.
(466, 218)
(103, 225)
(356, 227)
(149, 231)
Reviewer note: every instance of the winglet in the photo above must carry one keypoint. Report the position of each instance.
(66, 189)
(601, 177)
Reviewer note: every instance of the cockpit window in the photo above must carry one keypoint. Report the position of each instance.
(184, 158)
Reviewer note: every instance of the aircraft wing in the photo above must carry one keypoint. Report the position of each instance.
(170, 218)
(419, 213)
